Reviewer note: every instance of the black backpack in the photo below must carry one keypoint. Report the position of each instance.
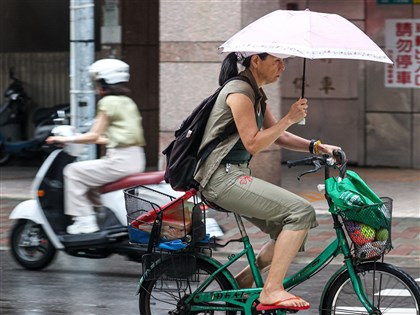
(182, 156)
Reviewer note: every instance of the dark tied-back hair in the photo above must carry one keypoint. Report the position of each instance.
(229, 67)
(118, 89)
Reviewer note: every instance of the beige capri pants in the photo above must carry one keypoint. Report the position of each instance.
(82, 179)
(269, 207)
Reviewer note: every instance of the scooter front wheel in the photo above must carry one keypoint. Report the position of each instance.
(30, 246)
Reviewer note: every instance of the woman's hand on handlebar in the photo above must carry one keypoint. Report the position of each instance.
(327, 149)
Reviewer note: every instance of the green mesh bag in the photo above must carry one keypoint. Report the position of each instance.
(355, 201)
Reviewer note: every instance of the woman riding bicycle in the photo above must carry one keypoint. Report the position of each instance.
(225, 177)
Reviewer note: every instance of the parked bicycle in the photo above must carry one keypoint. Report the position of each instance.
(180, 276)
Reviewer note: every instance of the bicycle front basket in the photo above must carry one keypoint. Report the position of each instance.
(369, 232)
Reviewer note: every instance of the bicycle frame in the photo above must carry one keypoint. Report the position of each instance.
(243, 299)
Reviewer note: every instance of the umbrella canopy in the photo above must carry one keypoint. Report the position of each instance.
(306, 34)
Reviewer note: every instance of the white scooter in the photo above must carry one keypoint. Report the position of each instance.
(40, 229)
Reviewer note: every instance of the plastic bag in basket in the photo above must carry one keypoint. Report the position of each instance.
(357, 201)
(176, 221)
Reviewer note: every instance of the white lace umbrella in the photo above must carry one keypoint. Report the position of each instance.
(306, 34)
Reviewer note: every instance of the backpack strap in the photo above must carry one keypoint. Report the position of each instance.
(205, 152)
(230, 128)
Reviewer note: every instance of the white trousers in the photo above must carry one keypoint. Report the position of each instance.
(80, 178)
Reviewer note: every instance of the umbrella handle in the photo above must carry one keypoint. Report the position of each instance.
(303, 121)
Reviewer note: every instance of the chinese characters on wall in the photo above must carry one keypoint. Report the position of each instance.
(325, 78)
(402, 39)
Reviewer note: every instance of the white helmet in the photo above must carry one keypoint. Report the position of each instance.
(112, 71)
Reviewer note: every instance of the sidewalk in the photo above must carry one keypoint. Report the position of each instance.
(402, 185)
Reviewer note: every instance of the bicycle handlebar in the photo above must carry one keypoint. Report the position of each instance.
(337, 161)
(305, 161)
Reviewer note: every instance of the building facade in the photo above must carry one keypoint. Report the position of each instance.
(349, 104)
(172, 47)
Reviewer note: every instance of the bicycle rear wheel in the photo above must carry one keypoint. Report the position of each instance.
(391, 290)
(160, 296)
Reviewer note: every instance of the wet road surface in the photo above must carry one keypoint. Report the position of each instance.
(80, 286)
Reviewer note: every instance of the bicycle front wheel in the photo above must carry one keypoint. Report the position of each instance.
(161, 295)
(391, 290)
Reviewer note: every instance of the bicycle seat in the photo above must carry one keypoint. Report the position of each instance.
(145, 178)
(213, 205)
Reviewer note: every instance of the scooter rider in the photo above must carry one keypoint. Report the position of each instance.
(118, 124)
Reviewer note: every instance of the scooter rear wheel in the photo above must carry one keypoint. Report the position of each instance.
(30, 246)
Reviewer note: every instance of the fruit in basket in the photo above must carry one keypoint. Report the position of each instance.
(358, 238)
(352, 226)
(360, 233)
(367, 231)
(382, 235)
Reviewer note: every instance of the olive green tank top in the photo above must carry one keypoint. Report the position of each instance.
(239, 154)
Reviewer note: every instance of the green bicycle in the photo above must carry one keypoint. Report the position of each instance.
(181, 277)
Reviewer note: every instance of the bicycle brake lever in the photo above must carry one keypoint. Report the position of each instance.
(317, 167)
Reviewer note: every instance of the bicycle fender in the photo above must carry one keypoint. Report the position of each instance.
(210, 260)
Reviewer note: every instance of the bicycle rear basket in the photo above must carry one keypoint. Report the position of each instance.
(369, 228)
(153, 216)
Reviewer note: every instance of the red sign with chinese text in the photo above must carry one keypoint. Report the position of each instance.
(402, 40)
